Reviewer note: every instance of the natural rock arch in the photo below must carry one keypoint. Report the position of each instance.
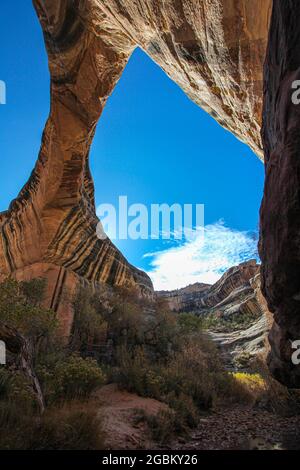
(213, 49)
(50, 229)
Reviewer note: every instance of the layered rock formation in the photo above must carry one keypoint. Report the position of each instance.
(214, 50)
(186, 299)
(280, 210)
(236, 295)
(239, 347)
(231, 294)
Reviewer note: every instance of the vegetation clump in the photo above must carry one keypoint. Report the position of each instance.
(67, 379)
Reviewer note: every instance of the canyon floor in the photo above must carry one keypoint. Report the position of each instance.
(232, 428)
(243, 428)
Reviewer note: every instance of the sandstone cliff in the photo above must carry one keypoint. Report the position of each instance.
(236, 296)
(231, 294)
(280, 210)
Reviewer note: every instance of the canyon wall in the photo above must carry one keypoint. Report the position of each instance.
(280, 210)
(233, 294)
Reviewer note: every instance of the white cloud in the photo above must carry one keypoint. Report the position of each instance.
(201, 259)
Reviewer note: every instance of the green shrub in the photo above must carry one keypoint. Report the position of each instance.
(15, 387)
(89, 326)
(72, 377)
(17, 407)
(243, 360)
(177, 419)
(193, 375)
(213, 321)
(189, 323)
(135, 373)
(20, 308)
(33, 291)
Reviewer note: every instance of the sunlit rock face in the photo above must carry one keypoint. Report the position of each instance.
(213, 49)
(233, 294)
(280, 210)
(236, 295)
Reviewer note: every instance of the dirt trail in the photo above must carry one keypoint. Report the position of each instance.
(119, 410)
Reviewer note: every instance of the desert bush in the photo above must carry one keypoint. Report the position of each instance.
(247, 387)
(189, 323)
(277, 397)
(72, 377)
(89, 326)
(194, 371)
(213, 321)
(243, 360)
(73, 426)
(174, 420)
(20, 308)
(189, 380)
(161, 426)
(33, 291)
(134, 373)
(126, 324)
(131, 325)
(15, 387)
(17, 406)
(185, 413)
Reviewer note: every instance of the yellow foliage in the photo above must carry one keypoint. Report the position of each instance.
(252, 381)
(249, 387)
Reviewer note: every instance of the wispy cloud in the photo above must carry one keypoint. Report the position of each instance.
(201, 258)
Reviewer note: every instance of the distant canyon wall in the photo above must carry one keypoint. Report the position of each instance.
(233, 294)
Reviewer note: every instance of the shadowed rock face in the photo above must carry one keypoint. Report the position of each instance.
(280, 210)
(213, 49)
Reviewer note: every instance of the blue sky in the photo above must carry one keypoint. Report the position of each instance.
(152, 144)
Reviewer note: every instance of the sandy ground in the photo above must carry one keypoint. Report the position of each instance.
(119, 411)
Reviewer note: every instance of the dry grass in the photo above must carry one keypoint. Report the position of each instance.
(72, 426)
